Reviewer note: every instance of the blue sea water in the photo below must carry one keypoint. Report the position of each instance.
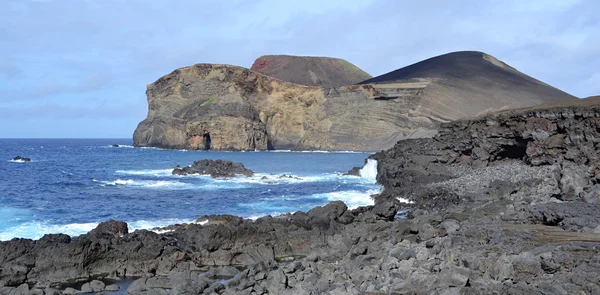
(73, 184)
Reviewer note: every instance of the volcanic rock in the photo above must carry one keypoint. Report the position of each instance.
(111, 227)
(214, 168)
(247, 110)
(309, 70)
(501, 205)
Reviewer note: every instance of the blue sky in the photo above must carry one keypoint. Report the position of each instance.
(79, 68)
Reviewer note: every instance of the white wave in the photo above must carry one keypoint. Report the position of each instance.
(122, 146)
(155, 225)
(20, 161)
(352, 198)
(35, 230)
(369, 171)
(149, 172)
(324, 152)
(403, 200)
(209, 184)
(144, 183)
(257, 216)
(276, 179)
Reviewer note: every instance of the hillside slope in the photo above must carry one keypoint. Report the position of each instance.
(460, 84)
(247, 110)
(309, 70)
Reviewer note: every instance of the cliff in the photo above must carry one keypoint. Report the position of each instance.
(309, 70)
(561, 137)
(246, 110)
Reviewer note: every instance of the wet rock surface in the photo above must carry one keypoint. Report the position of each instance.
(21, 159)
(504, 204)
(214, 168)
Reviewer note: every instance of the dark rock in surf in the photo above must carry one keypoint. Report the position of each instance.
(214, 168)
(355, 171)
(21, 159)
(115, 145)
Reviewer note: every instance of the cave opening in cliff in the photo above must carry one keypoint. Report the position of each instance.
(516, 151)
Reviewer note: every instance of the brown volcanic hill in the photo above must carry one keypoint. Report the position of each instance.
(247, 110)
(458, 83)
(309, 70)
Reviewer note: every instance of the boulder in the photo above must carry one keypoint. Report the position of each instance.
(322, 217)
(111, 227)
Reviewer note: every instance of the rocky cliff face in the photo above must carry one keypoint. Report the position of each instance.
(246, 110)
(562, 137)
(310, 71)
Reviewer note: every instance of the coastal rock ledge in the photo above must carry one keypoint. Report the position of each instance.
(500, 204)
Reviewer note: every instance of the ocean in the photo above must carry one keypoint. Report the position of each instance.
(73, 184)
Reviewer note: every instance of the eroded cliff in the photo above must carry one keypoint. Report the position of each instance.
(246, 110)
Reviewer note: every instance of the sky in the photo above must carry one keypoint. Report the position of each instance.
(79, 68)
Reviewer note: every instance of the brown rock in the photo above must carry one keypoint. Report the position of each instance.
(309, 70)
(247, 110)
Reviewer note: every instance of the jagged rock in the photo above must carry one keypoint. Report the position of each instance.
(111, 227)
(214, 168)
(322, 217)
(355, 171)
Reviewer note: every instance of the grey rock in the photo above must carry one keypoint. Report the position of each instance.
(112, 288)
(86, 288)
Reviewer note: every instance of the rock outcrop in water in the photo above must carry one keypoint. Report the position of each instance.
(309, 70)
(21, 159)
(247, 110)
(501, 204)
(214, 168)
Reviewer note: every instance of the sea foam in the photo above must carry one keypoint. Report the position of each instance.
(20, 161)
(369, 171)
(122, 146)
(144, 183)
(352, 198)
(36, 230)
(147, 172)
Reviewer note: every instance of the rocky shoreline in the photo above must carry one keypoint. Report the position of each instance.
(502, 204)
